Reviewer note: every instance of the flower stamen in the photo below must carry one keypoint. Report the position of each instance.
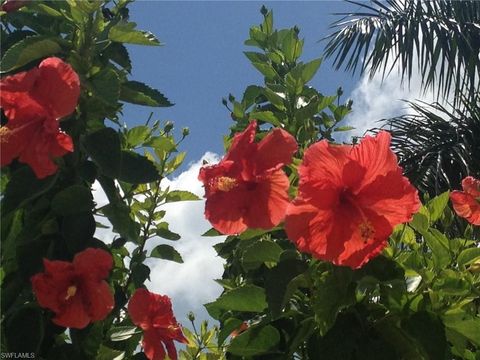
(366, 230)
(225, 184)
(71, 291)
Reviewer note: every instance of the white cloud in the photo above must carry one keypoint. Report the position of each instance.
(374, 99)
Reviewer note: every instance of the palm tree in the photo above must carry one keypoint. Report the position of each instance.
(437, 146)
(440, 37)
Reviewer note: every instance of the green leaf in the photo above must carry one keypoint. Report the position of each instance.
(334, 293)
(176, 162)
(468, 256)
(140, 273)
(437, 205)
(106, 86)
(255, 341)
(469, 328)
(138, 93)
(266, 116)
(30, 253)
(72, 200)
(119, 216)
(275, 99)
(27, 321)
(252, 233)
(266, 69)
(344, 128)
(310, 69)
(121, 333)
(118, 53)
(280, 283)
(88, 340)
(249, 298)
(438, 243)
(137, 135)
(23, 187)
(137, 169)
(251, 94)
(260, 252)
(452, 283)
(212, 232)
(27, 50)
(166, 252)
(163, 231)
(421, 220)
(77, 229)
(125, 32)
(106, 353)
(228, 327)
(180, 195)
(429, 331)
(103, 146)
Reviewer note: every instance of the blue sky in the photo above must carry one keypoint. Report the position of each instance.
(202, 59)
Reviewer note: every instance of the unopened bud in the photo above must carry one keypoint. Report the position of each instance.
(224, 102)
(231, 97)
(168, 126)
(191, 316)
(263, 10)
(185, 131)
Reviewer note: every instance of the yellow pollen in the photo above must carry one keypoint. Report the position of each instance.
(225, 183)
(71, 291)
(366, 230)
(4, 134)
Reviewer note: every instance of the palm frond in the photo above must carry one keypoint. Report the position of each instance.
(441, 38)
(437, 147)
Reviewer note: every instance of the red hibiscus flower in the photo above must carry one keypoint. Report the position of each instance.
(349, 201)
(76, 292)
(33, 102)
(153, 314)
(466, 203)
(248, 188)
(13, 5)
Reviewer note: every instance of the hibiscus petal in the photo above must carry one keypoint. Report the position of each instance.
(57, 87)
(171, 350)
(375, 155)
(139, 308)
(51, 284)
(267, 202)
(225, 210)
(471, 186)
(323, 164)
(152, 346)
(274, 151)
(15, 99)
(466, 206)
(307, 226)
(12, 143)
(93, 263)
(242, 144)
(97, 299)
(366, 238)
(73, 314)
(391, 196)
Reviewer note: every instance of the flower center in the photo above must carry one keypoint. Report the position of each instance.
(366, 229)
(71, 291)
(224, 183)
